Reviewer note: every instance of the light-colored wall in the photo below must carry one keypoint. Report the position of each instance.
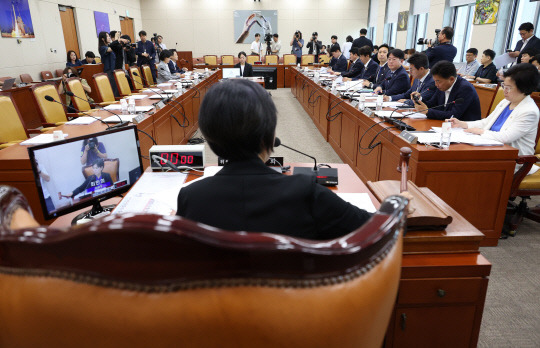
(206, 26)
(48, 51)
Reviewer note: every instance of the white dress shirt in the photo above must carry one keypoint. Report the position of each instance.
(447, 92)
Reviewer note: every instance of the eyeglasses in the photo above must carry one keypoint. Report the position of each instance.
(506, 88)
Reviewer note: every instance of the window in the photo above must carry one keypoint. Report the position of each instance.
(420, 24)
(462, 23)
(522, 11)
(371, 32)
(391, 34)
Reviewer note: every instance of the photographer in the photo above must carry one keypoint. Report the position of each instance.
(297, 43)
(275, 45)
(146, 53)
(444, 50)
(108, 58)
(68, 73)
(314, 44)
(91, 150)
(118, 46)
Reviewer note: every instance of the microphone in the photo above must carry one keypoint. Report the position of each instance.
(169, 164)
(458, 101)
(51, 99)
(323, 176)
(122, 122)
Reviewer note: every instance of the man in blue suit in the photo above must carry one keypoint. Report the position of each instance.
(146, 53)
(356, 68)
(338, 62)
(396, 80)
(528, 40)
(423, 81)
(445, 50)
(382, 67)
(370, 66)
(450, 88)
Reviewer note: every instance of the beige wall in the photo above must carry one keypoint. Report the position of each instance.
(206, 26)
(47, 51)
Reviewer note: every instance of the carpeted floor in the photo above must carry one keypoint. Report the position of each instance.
(512, 310)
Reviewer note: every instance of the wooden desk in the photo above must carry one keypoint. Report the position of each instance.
(283, 72)
(443, 280)
(473, 180)
(15, 168)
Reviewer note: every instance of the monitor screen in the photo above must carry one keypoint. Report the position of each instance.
(75, 173)
(231, 73)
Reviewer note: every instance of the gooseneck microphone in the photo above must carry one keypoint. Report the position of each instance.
(277, 142)
(458, 101)
(51, 99)
(122, 122)
(169, 164)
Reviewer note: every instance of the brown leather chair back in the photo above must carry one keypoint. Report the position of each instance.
(103, 85)
(163, 281)
(25, 78)
(51, 113)
(46, 75)
(227, 60)
(59, 72)
(122, 82)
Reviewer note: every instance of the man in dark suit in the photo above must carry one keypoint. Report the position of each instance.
(314, 45)
(146, 53)
(450, 87)
(528, 40)
(423, 81)
(397, 79)
(334, 44)
(362, 40)
(382, 68)
(370, 66)
(356, 68)
(445, 50)
(338, 63)
(246, 70)
(98, 181)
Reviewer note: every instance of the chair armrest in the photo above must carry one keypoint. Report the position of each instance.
(74, 115)
(527, 163)
(36, 131)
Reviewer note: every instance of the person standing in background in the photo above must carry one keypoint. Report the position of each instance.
(347, 46)
(445, 50)
(146, 53)
(256, 46)
(528, 40)
(275, 45)
(297, 43)
(363, 40)
(334, 44)
(108, 58)
(314, 45)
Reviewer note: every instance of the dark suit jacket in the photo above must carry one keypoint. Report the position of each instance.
(469, 110)
(399, 82)
(248, 196)
(489, 72)
(380, 74)
(362, 41)
(427, 89)
(356, 69)
(150, 49)
(534, 42)
(338, 65)
(174, 68)
(248, 70)
(445, 51)
(311, 46)
(370, 71)
(92, 179)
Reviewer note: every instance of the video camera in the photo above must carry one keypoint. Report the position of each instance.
(268, 37)
(433, 43)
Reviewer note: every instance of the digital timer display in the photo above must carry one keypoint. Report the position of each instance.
(176, 158)
(178, 155)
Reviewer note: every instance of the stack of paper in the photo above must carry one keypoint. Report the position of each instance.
(113, 107)
(136, 96)
(360, 200)
(82, 120)
(41, 139)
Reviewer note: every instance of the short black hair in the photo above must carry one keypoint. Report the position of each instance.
(397, 53)
(384, 45)
(473, 51)
(335, 49)
(448, 32)
(354, 50)
(419, 60)
(363, 31)
(276, 35)
(238, 119)
(90, 54)
(126, 37)
(165, 54)
(142, 33)
(489, 53)
(535, 58)
(257, 35)
(531, 51)
(99, 162)
(364, 51)
(525, 76)
(242, 53)
(444, 69)
(349, 39)
(113, 33)
(159, 36)
(375, 47)
(527, 26)
(333, 37)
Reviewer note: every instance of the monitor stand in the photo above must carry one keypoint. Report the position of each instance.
(90, 214)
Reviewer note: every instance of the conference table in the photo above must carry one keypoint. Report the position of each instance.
(15, 168)
(474, 180)
(443, 282)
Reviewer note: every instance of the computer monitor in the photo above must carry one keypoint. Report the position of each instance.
(231, 73)
(8, 84)
(79, 172)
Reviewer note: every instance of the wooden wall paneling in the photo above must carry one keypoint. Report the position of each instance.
(322, 94)
(126, 27)
(349, 136)
(367, 161)
(287, 76)
(185, 59)
(145, 142)
(69, 29)
(334, 128)
(162, 126)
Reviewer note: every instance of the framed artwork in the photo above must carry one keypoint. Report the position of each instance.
(15, 19)
(102, 22)
(247, 23)
(486, 11)
(403, 18)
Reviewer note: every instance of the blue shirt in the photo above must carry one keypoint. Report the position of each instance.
(296, 49)
(496, 127)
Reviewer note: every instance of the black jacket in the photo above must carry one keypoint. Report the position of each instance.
(355, 70)
(248, 70)
(90, 182)
(249, 196)
(361, 42)
(468, 110)
(312, 46)
(534, 42)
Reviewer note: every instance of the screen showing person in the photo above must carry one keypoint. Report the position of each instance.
(64, 186)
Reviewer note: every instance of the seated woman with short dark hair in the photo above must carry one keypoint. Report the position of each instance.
(238, 119)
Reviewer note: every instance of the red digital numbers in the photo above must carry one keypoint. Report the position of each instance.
(174, 158)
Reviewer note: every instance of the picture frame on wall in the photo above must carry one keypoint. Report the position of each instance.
(403, 19)
(16, 20)
(102, 22)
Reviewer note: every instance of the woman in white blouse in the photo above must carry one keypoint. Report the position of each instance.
(515, 119)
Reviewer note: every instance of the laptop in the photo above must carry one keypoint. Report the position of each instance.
(231, 73)
(8, 84)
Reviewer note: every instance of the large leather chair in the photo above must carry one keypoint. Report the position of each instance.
(136, 78)
(163, 281)
(112, 167)
(74, 85)
(289, 59)
(324, 58)
(271, 59)
(210, 59)
(251, 59)
(51, 113)
(147, 72)
(227, 60)
(104, 88)
(122, 83)
(308, 59)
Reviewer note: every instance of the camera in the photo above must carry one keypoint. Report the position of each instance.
(314, 36)
(297, 34)
(268, 37)
(416, 98)
(70, 75)
(423, 41)
(92, 143)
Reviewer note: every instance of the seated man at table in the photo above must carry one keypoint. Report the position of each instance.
(423, 81)
(164, 74)
(338, 63)
(382, 68)
(370, 66)
(487, 72)
(356, 68)
(397, 79)
(98, 182)
(454, 97)
(238, 119)
(173, 66)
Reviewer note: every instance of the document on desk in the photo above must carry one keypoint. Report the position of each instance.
(41, 139)
(458, 135)
(137, 96)
(83, 120)
(360, 200)
(154, 193)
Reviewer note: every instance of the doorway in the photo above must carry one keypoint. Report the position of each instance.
(70, 30)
